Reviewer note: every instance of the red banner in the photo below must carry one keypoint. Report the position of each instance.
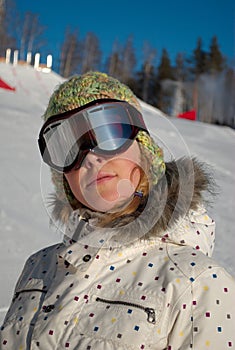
(190, 115)
(5, 86)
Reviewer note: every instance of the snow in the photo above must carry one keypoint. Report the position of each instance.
(25, 182)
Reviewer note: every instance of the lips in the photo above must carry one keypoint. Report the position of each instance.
(101, 178)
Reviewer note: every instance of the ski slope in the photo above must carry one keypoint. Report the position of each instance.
(25, 183)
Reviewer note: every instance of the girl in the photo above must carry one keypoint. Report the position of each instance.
(134, 270)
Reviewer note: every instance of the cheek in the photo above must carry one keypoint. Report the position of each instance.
(77, 183)
(74, 180)
(128, 183)
(128, 170)
(135, 176)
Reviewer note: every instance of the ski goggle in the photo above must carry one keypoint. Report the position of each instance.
(106, 127)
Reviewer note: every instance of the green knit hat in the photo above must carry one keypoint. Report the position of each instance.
(79, 90)
(82, 89)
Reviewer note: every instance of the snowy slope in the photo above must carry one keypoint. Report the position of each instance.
(24, 220)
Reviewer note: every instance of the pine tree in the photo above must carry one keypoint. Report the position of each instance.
(199, 60)
(164, 92)
(180, 70)
(165, 70)
(216, 60)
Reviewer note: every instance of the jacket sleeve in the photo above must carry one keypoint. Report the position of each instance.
(204, 316)
(23, 276)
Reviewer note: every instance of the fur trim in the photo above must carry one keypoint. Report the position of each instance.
(185, 185)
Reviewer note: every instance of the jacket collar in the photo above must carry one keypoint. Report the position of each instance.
(171, 214)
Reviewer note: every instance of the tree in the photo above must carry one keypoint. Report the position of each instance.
(199, 60)
(216, 60)
(180, 70)
(165, 70)
(183, 94)
(114, 61)
(24, 34)
(165, 91)
(70, 55)
(91, 54)
(128, 61)
(148, 70)
(6, 38)
(30, 34)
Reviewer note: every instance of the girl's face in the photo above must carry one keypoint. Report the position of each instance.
(102, 183)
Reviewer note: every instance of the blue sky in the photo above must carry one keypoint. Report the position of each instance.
(174, 25)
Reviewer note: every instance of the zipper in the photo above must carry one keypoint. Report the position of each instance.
(151, 316)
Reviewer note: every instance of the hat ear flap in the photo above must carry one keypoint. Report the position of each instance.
(155, 153)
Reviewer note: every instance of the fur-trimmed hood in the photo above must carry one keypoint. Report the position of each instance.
(177, 195)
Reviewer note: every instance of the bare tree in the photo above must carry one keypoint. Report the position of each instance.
(70, 56)
(149, 55)
(2, 26)
(30, 34)
(6, 38)
(114, 61)
(128, 60)
(91, 53)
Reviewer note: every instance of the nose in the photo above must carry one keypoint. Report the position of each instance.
(92, 159)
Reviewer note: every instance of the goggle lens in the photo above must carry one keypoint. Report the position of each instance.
(105, 128)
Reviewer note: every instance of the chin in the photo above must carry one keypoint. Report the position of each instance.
(105, 206)
(104, 201)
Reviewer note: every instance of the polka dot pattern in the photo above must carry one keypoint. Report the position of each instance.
(160, 293)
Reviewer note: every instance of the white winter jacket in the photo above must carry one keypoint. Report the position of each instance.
(96, 293)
